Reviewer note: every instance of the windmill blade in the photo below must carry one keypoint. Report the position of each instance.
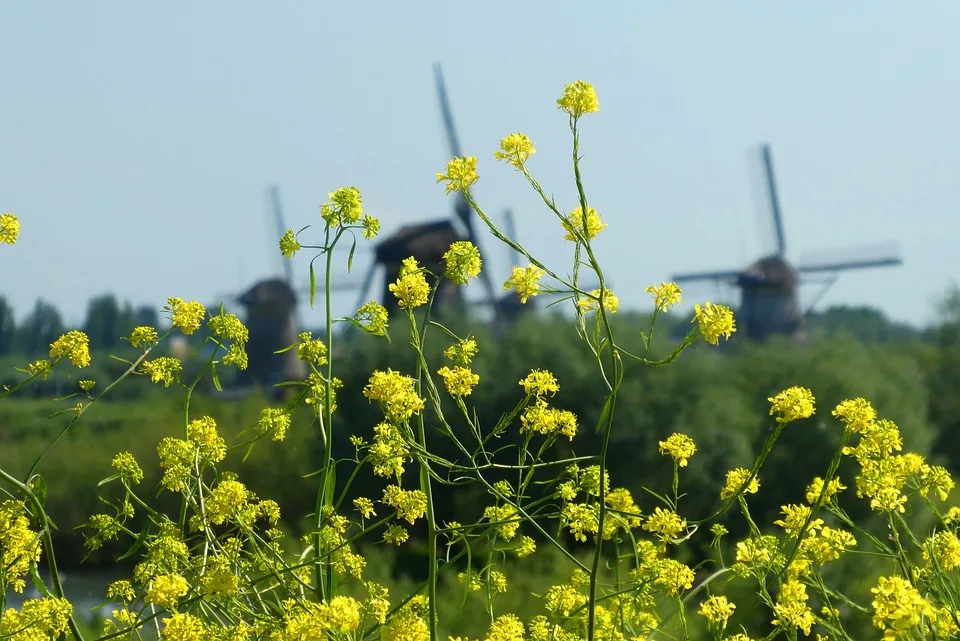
(273, 194)
(462, 208)
(886, 255)
(774, 199)
(730, 275)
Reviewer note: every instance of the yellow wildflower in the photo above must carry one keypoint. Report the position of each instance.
(162, 370)
(898, 605)
(343, 208)
(735, 479)
(463, 261)
(289, 244)
(462, 352)
(185, 316)
(579, 98)
(143, 335)
(540, 383)
(396, 393)
(665, 295)
(792, 609)
(9, 228)
(459, 381)
(373, 318)
(717, 610)
(679, 446)
(610, 301)
(411, 288)
(461, 173)
(574, 224)
(526, 282)
(791, 404)
(516, 149)
(75, 345)
(371, 226)
(715, 321)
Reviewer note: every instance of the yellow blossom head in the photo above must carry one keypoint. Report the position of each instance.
(373, 318)
(9, 228)
(411, 288)
(665, 295)
(289, 244)
(74, 345)
(461, 173)
(185, 316)
(610, 301)
(462, 352)
(791, 404)
(579, 98)
(515, 149)
(715, 321)
(575, 226)
(680, 447)
(462, 261)
(345, 207)
(526, 282)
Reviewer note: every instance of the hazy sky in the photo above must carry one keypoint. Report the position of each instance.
(138, 138)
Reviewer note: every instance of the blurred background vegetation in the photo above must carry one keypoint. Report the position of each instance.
(718, 396)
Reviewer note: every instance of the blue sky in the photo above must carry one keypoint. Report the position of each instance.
(138, 141)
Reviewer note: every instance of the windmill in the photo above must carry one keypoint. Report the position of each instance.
(769, 301)
(428, 241)
(272, 315)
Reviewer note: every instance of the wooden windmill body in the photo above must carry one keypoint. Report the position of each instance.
(769, 288)
(271, 320)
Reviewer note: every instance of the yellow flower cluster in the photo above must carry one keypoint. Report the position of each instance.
(610, 301)
(540, 383)
(516, 149)
(396, 394)
(388, 451)
(665, 295)
(579, 98)
(735, 480)
(461, 173)
(525, 281)
(411, 288)
(9, 228)
(311, 350)
(164, 369)
(143, 335)
(577, 231)
(19, 545)
(546, 420)
(74, 345)
(506, 518)
(791, 404)
(274, 421)
(185, 316)
(680, 447)
(289, 245)
(345, 207)
(229, 327)
(717, 610)
(714, 321)
(462, 352)
(459, 381)
(462, 261)
(373, 318)
(667, 525)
